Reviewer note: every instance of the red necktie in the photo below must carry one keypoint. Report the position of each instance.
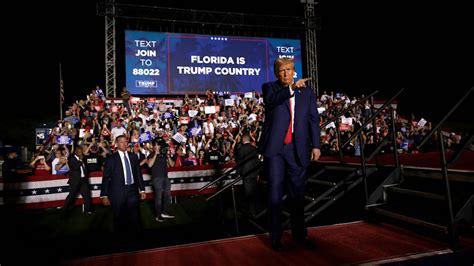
(289, 132)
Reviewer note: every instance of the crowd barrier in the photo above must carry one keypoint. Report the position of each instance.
(50, 191)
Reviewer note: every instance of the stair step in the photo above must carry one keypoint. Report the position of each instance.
(437, 186)
(309, 198)
(331, 176)
(328, 198)
(321, 182)
(315, 191)
(391, 185)
(412, 205)
(411, 220)
(318, 173)
(419, 202)
(374, 205)
(417, 193)
(460, 176)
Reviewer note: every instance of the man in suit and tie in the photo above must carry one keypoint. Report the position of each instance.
(246, 156)
(123, 188)
(290, 139)
(78, 181)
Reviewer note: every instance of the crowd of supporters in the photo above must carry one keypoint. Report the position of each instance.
(205, 129)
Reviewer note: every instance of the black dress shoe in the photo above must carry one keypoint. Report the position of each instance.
(277, 245)
(306, 242)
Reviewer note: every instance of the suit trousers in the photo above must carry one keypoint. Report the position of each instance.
(81, 187)
(127, 211)
(286, 175)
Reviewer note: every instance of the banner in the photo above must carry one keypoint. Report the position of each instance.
(229, 102)
(195, 131)
(51, 191)
(42, 135)
(66, 140)
(175, 63)
(179, 138)
(144, 137)
(209, 109)
(184, 120)
(344, 127)
(192, 113)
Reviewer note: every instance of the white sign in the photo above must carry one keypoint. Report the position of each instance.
(252, 118)
(179, 138)
(346, 120)
(331, 125)
(82, 132)
(229, 102)
(209, 109)
(422, 122)
(192, 113)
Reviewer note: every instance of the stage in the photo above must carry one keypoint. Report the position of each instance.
(353, 243)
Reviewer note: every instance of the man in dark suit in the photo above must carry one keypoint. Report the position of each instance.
(290, 138)
(10, 178)
(78, 181)
(123, 188)
(246, 157)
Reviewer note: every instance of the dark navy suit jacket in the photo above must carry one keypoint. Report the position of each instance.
(75, 171)
(113, 180)
(306, 133)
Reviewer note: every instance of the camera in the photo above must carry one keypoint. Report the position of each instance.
(163, 151)
(163, 148)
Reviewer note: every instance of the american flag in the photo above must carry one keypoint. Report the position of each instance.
(61, 91)
(61, 85)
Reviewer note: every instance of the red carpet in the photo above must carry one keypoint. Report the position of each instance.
(352, 243)
(429, 159)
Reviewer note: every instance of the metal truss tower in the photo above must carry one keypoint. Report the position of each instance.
(312, 25)
(110, 67)
(207, 22)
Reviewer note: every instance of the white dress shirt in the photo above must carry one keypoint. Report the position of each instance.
(122, 154)
(292, 100)
(83, 173)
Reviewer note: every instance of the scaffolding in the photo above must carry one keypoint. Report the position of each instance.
(166, 19)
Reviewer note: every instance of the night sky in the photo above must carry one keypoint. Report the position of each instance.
(428, 49)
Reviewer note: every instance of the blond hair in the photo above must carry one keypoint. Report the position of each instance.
(282, 61)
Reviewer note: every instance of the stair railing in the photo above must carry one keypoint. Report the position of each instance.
(358, 133)
(336, 117)
(452, 234)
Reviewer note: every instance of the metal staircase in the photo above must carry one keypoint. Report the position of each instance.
(439, 200)
(329, 183)
(420, 199)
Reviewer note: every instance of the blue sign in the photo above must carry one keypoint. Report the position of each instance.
(172, 63)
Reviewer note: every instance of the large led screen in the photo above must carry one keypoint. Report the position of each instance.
(170, 63)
